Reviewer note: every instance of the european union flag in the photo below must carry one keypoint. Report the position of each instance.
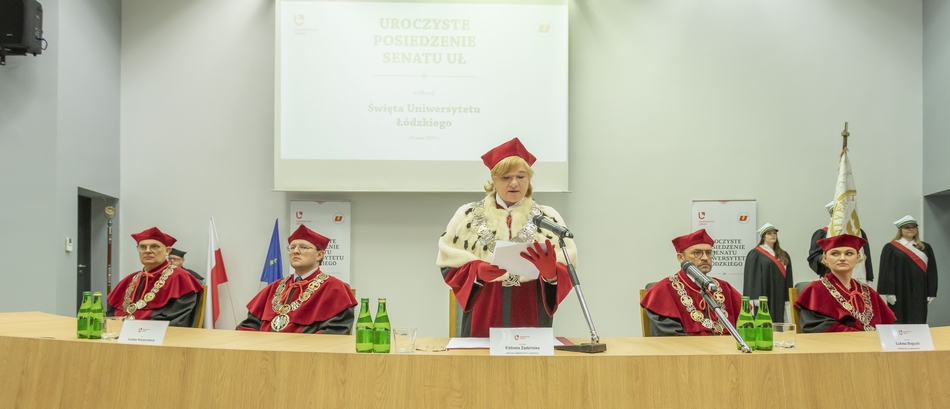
(273, 268)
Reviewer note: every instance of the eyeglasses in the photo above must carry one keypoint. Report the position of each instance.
(303, 249)
(154, 247)
(700, 253)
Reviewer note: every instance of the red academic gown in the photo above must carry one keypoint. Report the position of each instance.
(532, 304)
(174, 302)
(818, 300)
(663, 300)
(328, 311)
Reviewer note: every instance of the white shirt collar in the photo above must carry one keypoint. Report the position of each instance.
(768, 249)
(307, 274)
(502, 202)
(905, 242)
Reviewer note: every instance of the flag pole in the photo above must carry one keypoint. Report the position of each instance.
(844, 138)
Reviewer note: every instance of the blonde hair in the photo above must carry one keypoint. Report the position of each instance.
(917, 243)
(505, 166)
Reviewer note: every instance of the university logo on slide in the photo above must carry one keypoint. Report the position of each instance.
(338, 218)
(298, 19)
(299, 215)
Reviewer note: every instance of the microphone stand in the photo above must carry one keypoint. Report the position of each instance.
(594, 345)
(725, 321)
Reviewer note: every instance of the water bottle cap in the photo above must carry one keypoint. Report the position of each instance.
(382, 300)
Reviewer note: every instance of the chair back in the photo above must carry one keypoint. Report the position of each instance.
(796, 312)
(455, 315)
(644, 319)
(198, 314)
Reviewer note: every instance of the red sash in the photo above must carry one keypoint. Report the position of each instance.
(781, 267)
(910, 253)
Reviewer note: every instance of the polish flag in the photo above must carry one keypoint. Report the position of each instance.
(216, 280)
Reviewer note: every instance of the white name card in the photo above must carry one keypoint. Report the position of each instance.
(521, 341)
(914, 337)
(143, 332)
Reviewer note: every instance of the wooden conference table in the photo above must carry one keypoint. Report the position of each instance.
(43, 365)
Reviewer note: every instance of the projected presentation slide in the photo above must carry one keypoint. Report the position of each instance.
(394, 81)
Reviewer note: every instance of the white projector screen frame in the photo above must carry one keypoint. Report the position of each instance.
(354, 106)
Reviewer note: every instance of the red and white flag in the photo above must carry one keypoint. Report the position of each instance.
(217, 282)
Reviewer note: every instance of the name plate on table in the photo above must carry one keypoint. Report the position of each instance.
(914, 337)
(521, 341)
(143, 332)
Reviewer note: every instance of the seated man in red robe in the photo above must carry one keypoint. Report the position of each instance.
(160, 291)
(675, 305)
(308, 301)
(836, 302)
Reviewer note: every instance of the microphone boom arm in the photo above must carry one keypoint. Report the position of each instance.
(725, 321)
(594, 345)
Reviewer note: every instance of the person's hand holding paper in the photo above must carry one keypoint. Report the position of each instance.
(514, 258)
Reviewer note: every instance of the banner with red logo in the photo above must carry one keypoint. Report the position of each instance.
(331, 219)
(732, 224)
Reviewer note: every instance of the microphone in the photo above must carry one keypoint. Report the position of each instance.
(555, 228)
(698, 277)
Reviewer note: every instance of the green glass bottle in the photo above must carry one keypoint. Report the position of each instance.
(96, 317)
(82, 319)
(745, 324)
(763, 326)
(381, 329)
(364, 328)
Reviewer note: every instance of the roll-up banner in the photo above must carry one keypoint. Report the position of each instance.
(330, 219)
(732, 224)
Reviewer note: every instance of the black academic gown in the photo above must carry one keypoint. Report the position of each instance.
(763, 277)
(902, 277)
(815, 252)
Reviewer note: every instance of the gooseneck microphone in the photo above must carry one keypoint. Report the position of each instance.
(702, 280)
(557, 229)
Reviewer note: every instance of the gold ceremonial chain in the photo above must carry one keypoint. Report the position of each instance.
(864, 316)
(282, 320)
(695, 314)
(131, 307)
(487, 237)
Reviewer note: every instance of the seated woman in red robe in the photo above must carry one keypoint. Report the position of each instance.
(836, 302)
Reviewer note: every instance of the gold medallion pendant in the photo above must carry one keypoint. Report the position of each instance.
(279, 323)
(149, 297)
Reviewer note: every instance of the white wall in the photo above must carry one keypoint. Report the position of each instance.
(936, 141)
(59, 132)
(670, 101)
(936, 79)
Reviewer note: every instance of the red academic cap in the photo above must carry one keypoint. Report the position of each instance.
(842, 240)
(303, 233)
(697, 237)
(154, 233)
(510, 148)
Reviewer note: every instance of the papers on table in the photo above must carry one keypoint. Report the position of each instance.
(477, 343)
(508, 256)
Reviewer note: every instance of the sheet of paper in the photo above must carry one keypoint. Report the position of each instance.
(478, 343)
(508, 256)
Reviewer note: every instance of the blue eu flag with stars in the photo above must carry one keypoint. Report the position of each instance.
(273, 267)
